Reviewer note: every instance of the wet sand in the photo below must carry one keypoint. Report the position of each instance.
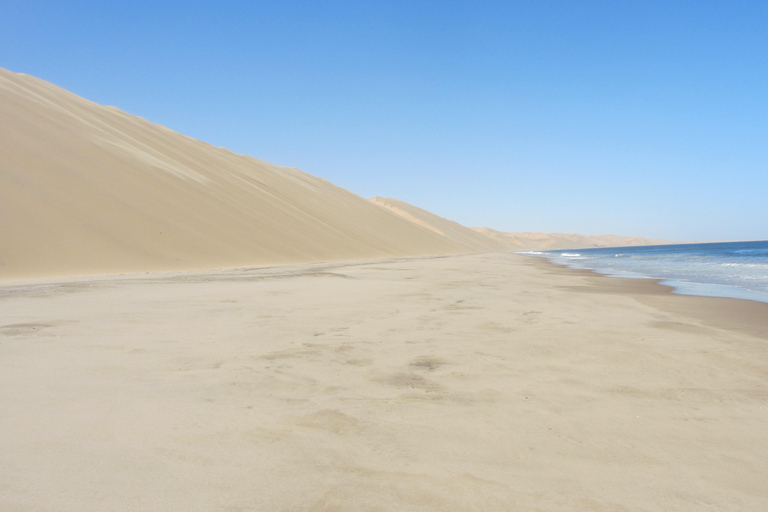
(481, 382)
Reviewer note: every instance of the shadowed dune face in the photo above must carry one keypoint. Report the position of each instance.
(87, 189)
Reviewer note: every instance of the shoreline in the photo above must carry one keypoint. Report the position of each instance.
(743, 315)
(670, 265)
(739, 314)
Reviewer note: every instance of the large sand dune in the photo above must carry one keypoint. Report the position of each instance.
(88, 189)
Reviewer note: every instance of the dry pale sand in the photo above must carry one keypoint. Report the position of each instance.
(482, 382)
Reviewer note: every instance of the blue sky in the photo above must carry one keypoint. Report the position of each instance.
(633, 118)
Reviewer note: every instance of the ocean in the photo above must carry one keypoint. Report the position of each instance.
(727, 269)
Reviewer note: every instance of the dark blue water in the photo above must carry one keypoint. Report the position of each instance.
(728, 269)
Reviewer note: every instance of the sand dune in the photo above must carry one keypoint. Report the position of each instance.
(448, 228)
(89, 189)
(553, 241)
(486, 239)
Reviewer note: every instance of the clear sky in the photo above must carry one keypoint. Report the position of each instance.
(645, 118)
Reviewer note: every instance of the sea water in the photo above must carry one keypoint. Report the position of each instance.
(727, 269)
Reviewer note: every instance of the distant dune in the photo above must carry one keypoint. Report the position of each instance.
(553, 241)
(486, 239)
(89, 189)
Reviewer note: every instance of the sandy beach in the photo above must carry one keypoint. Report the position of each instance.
(264, 257)
(475, 382)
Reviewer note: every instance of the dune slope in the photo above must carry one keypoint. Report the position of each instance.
(453, 230)
(486, 239)
(89, 189)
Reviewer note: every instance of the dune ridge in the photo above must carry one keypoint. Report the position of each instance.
(90, 189)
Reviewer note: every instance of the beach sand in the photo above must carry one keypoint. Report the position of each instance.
(478, 382)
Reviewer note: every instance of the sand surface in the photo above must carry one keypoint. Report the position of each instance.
(482, 382)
